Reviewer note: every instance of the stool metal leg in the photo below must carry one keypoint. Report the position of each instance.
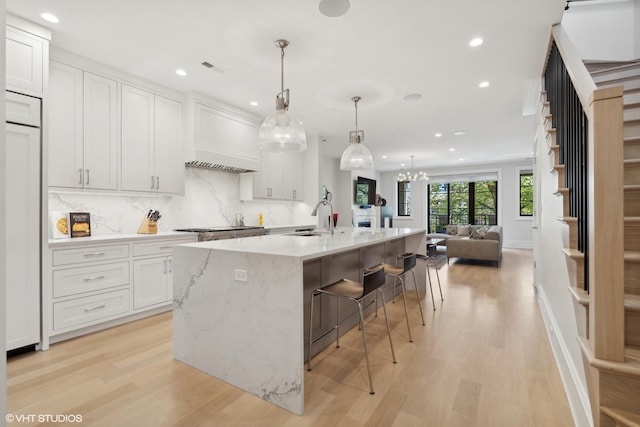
(384, 308)
(310, 332)
(406, 312)
(435, 267)
(418, 295)
(366, 351)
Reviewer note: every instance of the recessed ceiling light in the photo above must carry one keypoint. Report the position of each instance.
(476, 42)
(181, 72)
(254, 103)
(401, 165)
(460, 132)
(461, 159)
(438, 135)
(413, 97)
(452, 149)
(384, 156)
(484, 84)
(50, 17)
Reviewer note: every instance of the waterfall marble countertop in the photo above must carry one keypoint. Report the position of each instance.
(239, 304)
(320, 243)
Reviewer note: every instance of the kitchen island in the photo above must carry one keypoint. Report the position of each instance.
(241, 306)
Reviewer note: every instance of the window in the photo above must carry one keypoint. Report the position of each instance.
(525, 193)
(404, 198)
(462, 201)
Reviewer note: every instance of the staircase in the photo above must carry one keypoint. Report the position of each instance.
(619, 391)
(606, 287)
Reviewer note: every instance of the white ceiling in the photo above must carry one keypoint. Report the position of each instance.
(380, 50)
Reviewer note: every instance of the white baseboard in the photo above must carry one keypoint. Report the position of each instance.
(518, 244)
(577, 395)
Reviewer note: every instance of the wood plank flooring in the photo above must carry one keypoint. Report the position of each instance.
(483, 359)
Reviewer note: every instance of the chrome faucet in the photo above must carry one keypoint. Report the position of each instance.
(326, 200)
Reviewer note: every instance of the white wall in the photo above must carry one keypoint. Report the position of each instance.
(3, 340)
(516, 232)
(604, 30)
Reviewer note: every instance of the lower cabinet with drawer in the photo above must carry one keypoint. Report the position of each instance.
(93, 286)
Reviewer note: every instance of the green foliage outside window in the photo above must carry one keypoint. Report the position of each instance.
(526, 194)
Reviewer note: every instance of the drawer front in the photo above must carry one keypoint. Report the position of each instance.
(93, 309)
(22, 109)
(159, 247)
(89, 254)
(72, 281)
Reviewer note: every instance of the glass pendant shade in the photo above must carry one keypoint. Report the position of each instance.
(281, 131)
(356, 156)
(334, 8)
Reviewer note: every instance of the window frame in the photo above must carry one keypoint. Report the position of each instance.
(520, 171)
(397, 213)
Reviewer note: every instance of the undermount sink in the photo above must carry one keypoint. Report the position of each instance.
(308, 233)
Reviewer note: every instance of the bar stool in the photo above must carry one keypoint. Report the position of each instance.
(399, 272)
(430, 259)
(372, 280)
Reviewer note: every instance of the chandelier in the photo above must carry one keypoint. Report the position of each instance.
(411, 175)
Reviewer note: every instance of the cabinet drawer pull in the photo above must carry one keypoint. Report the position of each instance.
(164, 270)
(94, 254)
(80, 174)
(152, 182)
(87, 183)
(157, 182)
(88, 279)
(165, 247)
(169, 261)
(98, 307)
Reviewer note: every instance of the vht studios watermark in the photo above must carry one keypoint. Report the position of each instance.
(44, 418)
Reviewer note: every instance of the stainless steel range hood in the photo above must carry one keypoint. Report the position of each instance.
(220, 136)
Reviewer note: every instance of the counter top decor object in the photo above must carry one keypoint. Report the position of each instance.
(80, 224)
(150, 223)
(281, 131)
(59, 224)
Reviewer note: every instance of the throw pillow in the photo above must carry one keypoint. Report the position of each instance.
(452, 229)
(478, 234)
(463, 230)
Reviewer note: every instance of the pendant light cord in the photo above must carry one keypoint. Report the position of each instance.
(282, 68)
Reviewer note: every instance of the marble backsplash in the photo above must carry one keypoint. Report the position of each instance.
(212, 198)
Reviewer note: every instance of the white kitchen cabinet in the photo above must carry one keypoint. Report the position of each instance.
(152, 281)
(83, 143)
(25, 56)
(92, 284)
(151, 142)
(22, 235)
(281, 177)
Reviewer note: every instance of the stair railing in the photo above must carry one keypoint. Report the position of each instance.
(589, 129)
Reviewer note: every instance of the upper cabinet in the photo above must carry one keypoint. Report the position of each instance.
(25, 54)
(151, 142)
(83, 143)
(281, 177)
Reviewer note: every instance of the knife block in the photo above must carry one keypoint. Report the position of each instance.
(148, 227)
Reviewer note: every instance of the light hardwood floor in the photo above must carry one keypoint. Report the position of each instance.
(483, 359)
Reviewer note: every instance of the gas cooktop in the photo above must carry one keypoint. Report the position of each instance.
(221, 228)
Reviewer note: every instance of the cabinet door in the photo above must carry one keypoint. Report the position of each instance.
(150, 282)
(24, 57)
(100, 133)
(138, 172)
(65, 126)
(22, 164)
(293, 176)
(274, 166)
(169, 165)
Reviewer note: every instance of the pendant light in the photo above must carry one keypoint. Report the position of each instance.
(334, 8)
(411, 175)
(280, 130)
(356, 156)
